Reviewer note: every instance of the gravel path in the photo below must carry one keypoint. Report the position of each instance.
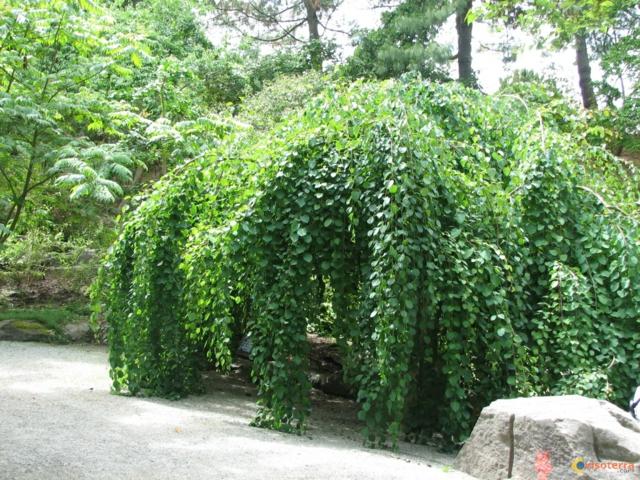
(59, 421)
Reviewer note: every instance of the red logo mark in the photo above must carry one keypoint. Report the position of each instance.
(543, 465)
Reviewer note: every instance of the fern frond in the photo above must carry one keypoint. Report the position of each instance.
(114, 187)
(89, 173)
(120, 172)
(122, 158)
(70, 179)
(80, 191)
(73, 164)
(96, 153)
(102, 194)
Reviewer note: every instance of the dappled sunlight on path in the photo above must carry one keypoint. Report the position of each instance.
(59, 421)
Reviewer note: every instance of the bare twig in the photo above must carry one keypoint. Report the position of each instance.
(603, 201)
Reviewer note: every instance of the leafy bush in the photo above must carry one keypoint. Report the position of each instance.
(39, 249)
(286, 62)
(41, 268)
(604, 127)
(473, 250)
(280, 98)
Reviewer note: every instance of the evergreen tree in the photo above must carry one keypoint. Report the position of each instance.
(406, 41)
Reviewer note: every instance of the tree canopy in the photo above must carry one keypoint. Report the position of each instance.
(53, 124)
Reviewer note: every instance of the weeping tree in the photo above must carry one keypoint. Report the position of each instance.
(467, 246)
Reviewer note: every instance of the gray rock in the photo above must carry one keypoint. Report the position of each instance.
(575, 436)
(25, 331)
(331, 384)
(244, 349)
(78, 332)
(88, 256)
(8, 297)
(634, 405)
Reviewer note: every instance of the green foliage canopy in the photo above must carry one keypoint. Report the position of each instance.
(471, 249)
(91, 96)
(52, 124)
(406, 41)
(281, 98)
(617, 49)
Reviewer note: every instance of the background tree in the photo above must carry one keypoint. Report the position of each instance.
(406, 41)
(572, 23)
(53, 125)
(280, 22)
(617, 49)
(464, 27)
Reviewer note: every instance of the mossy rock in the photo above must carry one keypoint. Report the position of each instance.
(25, 331)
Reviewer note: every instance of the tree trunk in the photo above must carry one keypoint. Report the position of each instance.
(465, 71)
(16, 209)
(584, 73)
(315, 48)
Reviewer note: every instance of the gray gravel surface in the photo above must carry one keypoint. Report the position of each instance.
(59, 421)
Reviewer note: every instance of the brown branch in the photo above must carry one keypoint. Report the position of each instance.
(14, 194)
(264, 18)
(287, 33)
(15, 80)
(40, 183)
(81, 82)
(336, 30)
(324, 25)
(53, 57)
(603, 201)
(253, 12)
(273, 16)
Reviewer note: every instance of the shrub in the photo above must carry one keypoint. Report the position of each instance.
(37, 250)
(281, 98)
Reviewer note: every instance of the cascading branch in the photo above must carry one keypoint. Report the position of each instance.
(469, 246)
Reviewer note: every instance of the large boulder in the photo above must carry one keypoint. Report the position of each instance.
(552, 438)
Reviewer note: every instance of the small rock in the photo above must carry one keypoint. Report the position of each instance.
(244, 349)
(331, 384)
(78, 332)
(88, 256)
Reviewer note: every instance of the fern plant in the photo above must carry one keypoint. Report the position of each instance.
(95, 172)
